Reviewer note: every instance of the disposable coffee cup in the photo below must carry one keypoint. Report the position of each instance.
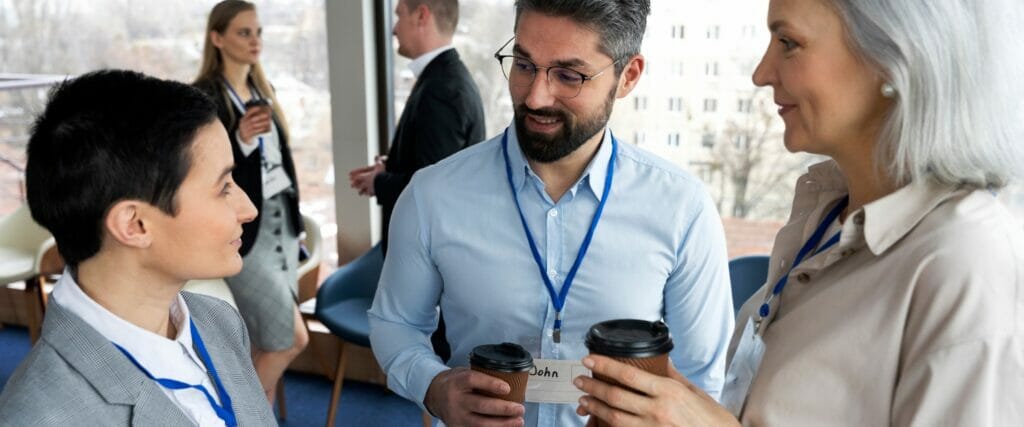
(260, 105)
(635, 342)
(508, 362)
(639, 343)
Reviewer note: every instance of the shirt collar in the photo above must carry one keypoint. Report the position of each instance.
(594, 173)
(886, 220)
(157, 354)
(825, 177)
(597, 170)
(420, 63)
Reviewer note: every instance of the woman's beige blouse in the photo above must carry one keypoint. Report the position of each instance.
(916, 317)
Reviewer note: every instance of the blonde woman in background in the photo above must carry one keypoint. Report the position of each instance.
(266, 289)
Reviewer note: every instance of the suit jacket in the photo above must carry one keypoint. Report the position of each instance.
(442, 115)
(74, 376)
(248, 173)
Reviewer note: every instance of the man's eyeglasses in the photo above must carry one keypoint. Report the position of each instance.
(562, 82)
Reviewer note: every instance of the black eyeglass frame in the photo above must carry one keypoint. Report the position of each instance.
(547, 70)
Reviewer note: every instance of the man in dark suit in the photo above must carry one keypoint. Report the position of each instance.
(443, 113)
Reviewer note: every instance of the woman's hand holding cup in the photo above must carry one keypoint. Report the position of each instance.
(645, 399)
(256, 121)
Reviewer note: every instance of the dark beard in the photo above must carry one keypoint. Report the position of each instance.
(544, 149)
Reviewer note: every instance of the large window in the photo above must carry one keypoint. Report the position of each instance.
(737, 151)
(689, 116)
(21, 97)
(164, 39)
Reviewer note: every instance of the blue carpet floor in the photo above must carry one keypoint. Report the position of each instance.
(307, 395)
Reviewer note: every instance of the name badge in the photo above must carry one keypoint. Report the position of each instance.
(742, 370)
(551, 381)
(275, 181)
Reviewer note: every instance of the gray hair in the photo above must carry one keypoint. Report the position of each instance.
(958, 68)
(620, 23)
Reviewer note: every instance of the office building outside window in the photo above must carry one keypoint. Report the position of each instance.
(717, 144)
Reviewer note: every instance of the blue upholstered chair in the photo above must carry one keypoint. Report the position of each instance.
(748, 274)
(341, 305)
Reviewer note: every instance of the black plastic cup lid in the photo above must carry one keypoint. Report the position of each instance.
(504, 357)
(629, 338)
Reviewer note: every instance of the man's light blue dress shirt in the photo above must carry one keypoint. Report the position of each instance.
(457, 241)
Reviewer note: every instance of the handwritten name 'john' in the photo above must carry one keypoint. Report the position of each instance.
(546, 373)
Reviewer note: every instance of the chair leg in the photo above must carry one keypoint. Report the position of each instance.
(324, 365)
(339, 377)
(33, 301)
(44, 298)
(282, 410)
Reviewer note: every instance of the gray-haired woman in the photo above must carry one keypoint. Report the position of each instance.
(896, 291)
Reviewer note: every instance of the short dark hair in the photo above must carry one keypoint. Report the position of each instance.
(621, 23)
(108, 136)
(446, 13)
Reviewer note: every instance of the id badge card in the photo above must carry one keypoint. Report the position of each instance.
(551, 381)
(275, 181)
(742, 369)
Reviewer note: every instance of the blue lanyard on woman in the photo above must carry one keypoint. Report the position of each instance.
(558, 299)
(809, 246)
(241, 107)
(223, 410)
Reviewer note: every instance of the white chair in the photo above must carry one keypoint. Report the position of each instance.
(24, 246)
(309, 270)
(219, 288)
(216, 288)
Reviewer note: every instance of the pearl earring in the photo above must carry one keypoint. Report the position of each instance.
(888, 91)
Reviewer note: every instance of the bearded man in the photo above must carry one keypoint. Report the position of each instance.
(552, 226)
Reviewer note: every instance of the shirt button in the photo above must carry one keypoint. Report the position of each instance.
(277, 232)
(552, 273)
(284, 267)
(278, 249)
(859, 219)
(553, 213)
(277, 214)
(803, 278)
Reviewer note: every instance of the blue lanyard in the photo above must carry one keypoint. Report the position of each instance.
(223, 411)
(241, 107)
(811, 244)
(558, 299)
